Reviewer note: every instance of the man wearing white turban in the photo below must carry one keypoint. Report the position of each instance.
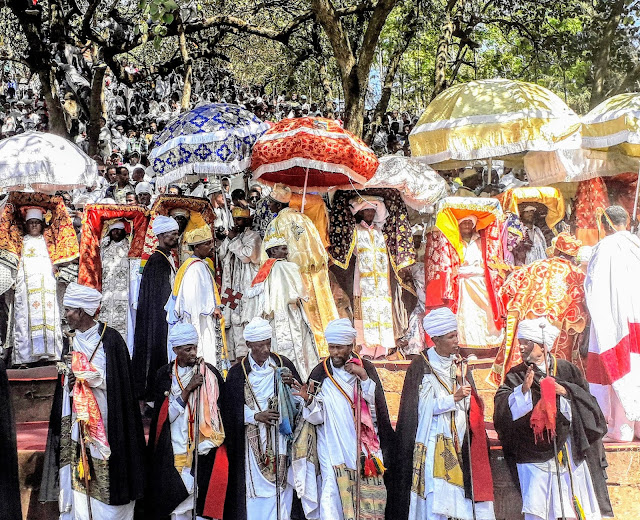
(150, 338)
(538, 249)
(255, 422)
(432, 427)
(181, 386)
(524, 407)
(100, 384)
(334, 385)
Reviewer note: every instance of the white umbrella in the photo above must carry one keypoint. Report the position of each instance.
(45, 163)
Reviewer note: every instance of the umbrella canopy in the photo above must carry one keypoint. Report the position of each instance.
(614, 125)
(45, 163)
(210, 139)
(313, 152)
(419, 184)
(490, 119)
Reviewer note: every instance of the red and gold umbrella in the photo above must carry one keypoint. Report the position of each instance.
(312, 153)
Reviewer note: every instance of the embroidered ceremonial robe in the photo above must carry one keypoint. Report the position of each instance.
(613, 363)
(37, 321)
(307, 251)
(251, 491)
(241, 260)
(115, 306)
(194, 299)
(171, 448)
(329, 442)
(580, 427)
(150, 341)
(117, 480)
(426, 485)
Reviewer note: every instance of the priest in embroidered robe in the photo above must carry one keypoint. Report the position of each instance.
(182, 217)
(431, 468)
(195, 299)
(328, 439)
(97, 398)
(531, 409)
(114, 253)
(536, 237)
(308, 252)
(150, 340)
(185, 387)
(254, 424)
(239, 253)
(37, 325)
(613, 299)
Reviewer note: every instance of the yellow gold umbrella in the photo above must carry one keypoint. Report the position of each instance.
(614, 125)
(490, 119)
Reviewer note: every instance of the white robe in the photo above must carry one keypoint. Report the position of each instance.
(539, 481)
(72, 503)
(38, 329)
(261, 503)
(539, 249)
(442, 500)
(337, 443)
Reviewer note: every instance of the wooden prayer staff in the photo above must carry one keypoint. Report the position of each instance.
(85, 466)
(196, 439)
(276, 438)
(358, 418)
(464, 369)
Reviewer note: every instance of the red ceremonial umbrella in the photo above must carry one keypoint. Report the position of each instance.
(312, 153)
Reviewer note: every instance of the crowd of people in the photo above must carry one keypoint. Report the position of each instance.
(244, 324)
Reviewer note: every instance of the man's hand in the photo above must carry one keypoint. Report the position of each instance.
(217, 313)
(71, 380)
(288, 379)
(233, 233)
(356, 370)
(305, 391)
(560, 390)
(267, 417)
(528, 380)
(461, 393)
(196, 382)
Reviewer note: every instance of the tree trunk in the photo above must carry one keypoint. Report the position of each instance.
(185, 103)
(327, 93)
(95, 108)
(603, 53)
(354, 99)
(442, 56)
(56, 116)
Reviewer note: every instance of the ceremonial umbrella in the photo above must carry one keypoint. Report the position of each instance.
(211, 139)
(312, 153)
(492, 118)
(44, 163)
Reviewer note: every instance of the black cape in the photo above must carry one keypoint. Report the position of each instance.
(235, 507)
(124, 429)
(165, 489)
(9, 484)
(586, 429)
(386, 434)
(150, 339)
(401, 467)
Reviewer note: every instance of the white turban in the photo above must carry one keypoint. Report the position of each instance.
(340, 332)
(258, 329)
(35, 213)
(531, 330)
(82, 297)
(368, 202)
(439, 322)
(144, 187)
(183, 334)
(472, 218)
(118, 224)
(162, 224)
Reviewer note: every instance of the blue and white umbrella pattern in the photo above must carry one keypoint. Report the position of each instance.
(214, 139)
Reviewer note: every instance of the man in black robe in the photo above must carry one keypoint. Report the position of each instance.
(248, 398)
(179, 385)
(114, 437)
(150, 340)
(9, 484)
(522, 420)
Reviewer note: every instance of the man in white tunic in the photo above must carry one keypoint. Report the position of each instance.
(38, 330)
(253, 417)
(98, 398)
(240, 257)
(195, 299)
(538, 249)
(334, 386)
(613, 297)
(431, 435)
(524, 407)
(476, 324)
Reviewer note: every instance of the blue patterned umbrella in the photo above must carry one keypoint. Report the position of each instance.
(214, 139)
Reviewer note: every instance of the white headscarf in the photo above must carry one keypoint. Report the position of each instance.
(82, 297)
(162, 224)
(258, 329)
(539, 331)
(144, 187)
(472, 218)
(118, 224)
(183, 334)
(439, 322)
(340, 332)
(34, 213)
(368, 202)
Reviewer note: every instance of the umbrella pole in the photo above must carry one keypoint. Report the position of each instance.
(226, 209)
(304, 191)
(634, 226)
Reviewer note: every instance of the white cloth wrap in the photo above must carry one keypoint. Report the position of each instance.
(439, 322)
(82, 297)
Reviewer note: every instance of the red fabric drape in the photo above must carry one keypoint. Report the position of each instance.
(482, 477)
